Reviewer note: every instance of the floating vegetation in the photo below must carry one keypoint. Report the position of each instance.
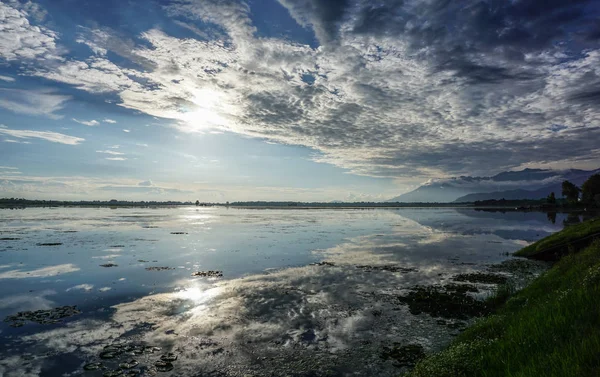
(170, 357)
(461, 288)
(389, 268)
(439, 302)
(403, 356)
(113, 373)
(163, 366)
(117, 246)
(178, 232)
(43, 317)
(49, 244)
(159, 268)
(142, 261)
(209, 274)
(92, 366)
(109, 265)
(483, 278)
(149, 226)
(519, 266)
(330, 264)
(129, 364)
(9, 239)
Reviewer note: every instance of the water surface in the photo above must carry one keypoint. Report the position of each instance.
(277, 310)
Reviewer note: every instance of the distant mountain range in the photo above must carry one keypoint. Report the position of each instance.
(510, 185)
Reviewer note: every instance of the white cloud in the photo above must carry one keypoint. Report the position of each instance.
(7, 78)
(124, 130)
(33, 102)
(116, 158)
(111, 121)
(115, 153)
(54, 137)
(16, 141)
(374, 99)
(20, 40)
(147, 183)
(87, 123)
(83, 287)
(40, 272)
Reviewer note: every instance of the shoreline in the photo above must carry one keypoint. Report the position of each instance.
(548, 328)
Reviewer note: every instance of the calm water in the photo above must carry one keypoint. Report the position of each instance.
(271, 314)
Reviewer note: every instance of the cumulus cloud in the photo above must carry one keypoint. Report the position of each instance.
(395, 88)
(33, 102)
(111, 121)
(19, 39)
(53, 137)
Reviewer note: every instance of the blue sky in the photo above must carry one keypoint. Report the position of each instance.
(290, 99)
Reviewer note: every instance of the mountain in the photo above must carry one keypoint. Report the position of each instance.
(522, 184)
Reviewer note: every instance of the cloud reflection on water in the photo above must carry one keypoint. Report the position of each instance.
(292, 320)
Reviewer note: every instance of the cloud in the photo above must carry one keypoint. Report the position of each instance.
(116, 158)
(7, 79)
(399, 89)
(147, 183)
(16, 141)
(111, 121)
(115, 153)
(40, 272)
(83, 287)
(53, 137)
(33, 102)
(127, 131)
(20, 39)
(87, 123)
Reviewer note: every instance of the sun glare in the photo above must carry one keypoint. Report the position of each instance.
(210, 110)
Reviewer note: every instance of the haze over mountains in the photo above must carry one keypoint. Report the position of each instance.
(510, 185)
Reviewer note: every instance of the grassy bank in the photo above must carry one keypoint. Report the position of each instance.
(562, 239)
(550, 328)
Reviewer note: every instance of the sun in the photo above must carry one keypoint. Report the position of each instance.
(210, 109)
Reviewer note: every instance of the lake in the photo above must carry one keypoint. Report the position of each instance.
(280, 292)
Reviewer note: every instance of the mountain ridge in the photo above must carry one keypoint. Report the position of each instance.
(520, 184)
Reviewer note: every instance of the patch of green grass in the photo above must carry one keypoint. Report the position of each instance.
(551, 328)
(569, 234)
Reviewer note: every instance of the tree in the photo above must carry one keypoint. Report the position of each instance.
(590, 190)
(571, 192)
(197, 203)
(551, 199)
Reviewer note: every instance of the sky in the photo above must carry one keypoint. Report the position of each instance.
(303, 100)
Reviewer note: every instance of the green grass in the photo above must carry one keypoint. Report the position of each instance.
(569, 234)
(551, 328)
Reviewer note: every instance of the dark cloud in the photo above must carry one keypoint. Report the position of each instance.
(398, 88)
(323, 15)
